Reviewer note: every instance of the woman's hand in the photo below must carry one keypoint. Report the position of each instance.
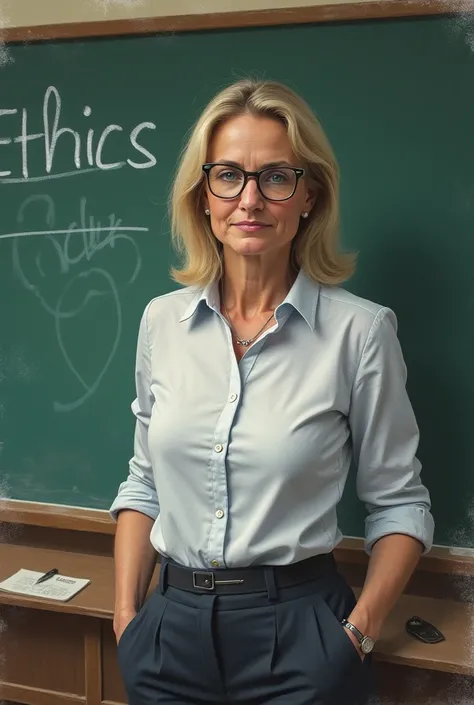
(122, 619)
(354, 640)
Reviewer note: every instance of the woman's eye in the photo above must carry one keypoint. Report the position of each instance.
(276, 177)
(227, 175)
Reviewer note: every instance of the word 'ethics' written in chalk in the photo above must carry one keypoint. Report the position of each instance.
(87, 150)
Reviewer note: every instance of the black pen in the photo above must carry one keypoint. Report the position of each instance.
(47, 575)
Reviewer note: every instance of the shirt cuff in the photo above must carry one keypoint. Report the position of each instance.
(411, 520)
(137, 496)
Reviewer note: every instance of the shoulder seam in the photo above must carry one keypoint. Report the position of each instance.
(354, 303)
(377, 318)
(177, 292)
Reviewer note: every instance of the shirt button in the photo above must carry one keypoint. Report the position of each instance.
(219, 514)
(215, 564)
(233, 397)
(218, 448)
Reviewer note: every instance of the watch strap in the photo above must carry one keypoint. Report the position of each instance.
(354, 630)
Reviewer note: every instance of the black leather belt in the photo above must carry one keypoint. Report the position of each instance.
(242, 580)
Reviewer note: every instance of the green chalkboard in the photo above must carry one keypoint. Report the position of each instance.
(84, 246)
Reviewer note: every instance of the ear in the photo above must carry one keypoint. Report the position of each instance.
(311, 198)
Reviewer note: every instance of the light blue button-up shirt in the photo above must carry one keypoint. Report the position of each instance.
(243, 463)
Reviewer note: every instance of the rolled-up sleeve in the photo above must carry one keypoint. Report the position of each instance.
(385, 441)
(138, 491)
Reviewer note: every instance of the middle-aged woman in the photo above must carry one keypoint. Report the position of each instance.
(257, 383)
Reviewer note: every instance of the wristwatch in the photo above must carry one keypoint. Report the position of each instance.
(366, 643)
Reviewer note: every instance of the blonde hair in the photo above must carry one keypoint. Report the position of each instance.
(315, 248)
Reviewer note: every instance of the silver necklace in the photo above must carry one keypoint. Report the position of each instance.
(241, 341)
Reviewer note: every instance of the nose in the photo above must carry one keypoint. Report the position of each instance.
(251, 198)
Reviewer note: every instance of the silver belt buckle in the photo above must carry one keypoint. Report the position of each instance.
(208, 580)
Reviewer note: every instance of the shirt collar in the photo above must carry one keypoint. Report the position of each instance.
(209, 295)
(303, 297)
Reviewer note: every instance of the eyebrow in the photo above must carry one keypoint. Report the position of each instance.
(264, 166)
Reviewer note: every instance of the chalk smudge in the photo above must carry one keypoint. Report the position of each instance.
(464, 22)
(5, 55)
(106, 4)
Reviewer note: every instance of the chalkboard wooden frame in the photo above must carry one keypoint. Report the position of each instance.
(351, 11)
(440, 560)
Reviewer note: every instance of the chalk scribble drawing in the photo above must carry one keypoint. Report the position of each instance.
(61, 247)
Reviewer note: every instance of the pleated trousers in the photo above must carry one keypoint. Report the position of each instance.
(275, 647)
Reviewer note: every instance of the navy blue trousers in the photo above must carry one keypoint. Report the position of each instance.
(271, 647)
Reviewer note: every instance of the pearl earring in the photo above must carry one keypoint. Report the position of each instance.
(304, 215)
(207, 211)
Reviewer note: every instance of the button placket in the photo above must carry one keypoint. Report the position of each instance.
(222, 433)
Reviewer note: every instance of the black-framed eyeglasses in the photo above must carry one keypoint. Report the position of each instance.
(275, 183)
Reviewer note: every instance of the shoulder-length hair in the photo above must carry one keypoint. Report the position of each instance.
(315, 247)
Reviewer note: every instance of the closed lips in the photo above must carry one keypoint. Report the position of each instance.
(251, 222)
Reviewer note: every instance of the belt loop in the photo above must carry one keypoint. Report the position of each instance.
(270, 582)
(162, 584)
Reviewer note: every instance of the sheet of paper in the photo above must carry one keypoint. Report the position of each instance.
(59, 587)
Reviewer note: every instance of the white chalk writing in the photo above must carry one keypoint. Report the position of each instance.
(86, 154)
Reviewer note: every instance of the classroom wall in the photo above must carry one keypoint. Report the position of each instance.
(24, 13)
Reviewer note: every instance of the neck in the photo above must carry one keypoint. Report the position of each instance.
(250, 289)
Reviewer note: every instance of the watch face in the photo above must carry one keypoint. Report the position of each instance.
(367, 645)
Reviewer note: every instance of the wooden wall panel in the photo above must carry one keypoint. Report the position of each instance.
(37, 644)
